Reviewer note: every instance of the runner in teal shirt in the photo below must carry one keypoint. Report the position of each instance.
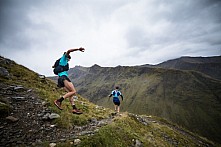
(65, 82)
(64, 61)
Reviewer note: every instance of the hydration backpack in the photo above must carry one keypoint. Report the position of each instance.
(116, 93)
(59, 68)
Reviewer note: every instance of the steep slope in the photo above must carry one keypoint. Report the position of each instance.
(188, 98)
(26, 107)
(207, 65)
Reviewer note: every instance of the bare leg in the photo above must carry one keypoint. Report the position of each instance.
(115, 107)
(69, 87)
(70, 98)
(118, 109)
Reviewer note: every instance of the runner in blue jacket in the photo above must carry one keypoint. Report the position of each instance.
(116, 93)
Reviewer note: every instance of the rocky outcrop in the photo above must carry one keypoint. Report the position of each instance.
(4, 73)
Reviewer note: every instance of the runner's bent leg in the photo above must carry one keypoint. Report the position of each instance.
(69, 87)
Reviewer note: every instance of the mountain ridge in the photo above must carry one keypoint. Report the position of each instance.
(207, 65)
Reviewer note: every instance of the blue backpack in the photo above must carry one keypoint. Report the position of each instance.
(116, 93)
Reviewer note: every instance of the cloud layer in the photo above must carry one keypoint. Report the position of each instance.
(126, 32)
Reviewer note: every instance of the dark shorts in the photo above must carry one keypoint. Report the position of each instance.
(61, 81)
(116, 101)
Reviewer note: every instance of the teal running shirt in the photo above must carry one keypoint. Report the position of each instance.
(63, 62)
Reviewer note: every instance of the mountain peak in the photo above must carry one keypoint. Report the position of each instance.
(95, 66)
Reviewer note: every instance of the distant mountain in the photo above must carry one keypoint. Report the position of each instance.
(28, 117)
(189, 98)
(207, 65)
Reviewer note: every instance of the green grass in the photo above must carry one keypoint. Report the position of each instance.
(116, 134)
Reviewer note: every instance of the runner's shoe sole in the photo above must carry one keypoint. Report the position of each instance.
(55, 102)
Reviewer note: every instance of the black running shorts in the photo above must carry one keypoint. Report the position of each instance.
(116, 101)
(61, 80)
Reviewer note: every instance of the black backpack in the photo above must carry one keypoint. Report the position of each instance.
(59, 68)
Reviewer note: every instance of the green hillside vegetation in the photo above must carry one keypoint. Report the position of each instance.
(126, 129)
(122, 130)
(188, 98)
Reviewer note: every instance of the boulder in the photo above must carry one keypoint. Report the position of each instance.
(4, 73)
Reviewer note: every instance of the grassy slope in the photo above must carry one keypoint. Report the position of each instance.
(121, 132)
(47, 89)
(126, 129)
(187, 98)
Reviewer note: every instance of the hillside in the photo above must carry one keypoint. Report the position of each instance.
(207, 65)
(29, 118)
(188, 98)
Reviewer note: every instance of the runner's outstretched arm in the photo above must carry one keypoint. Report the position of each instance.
(72, 50)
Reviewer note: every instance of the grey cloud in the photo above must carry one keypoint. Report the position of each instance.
(185, 11)
(14, 21)
(137, 36)
(190, 21)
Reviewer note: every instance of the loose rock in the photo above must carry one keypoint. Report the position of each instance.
(11, 118)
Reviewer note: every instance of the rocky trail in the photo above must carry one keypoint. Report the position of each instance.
(30, 121)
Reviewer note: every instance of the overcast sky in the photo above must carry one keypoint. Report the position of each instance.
(35, 33)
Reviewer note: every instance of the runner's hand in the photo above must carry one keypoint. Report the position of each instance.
(81, 49)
